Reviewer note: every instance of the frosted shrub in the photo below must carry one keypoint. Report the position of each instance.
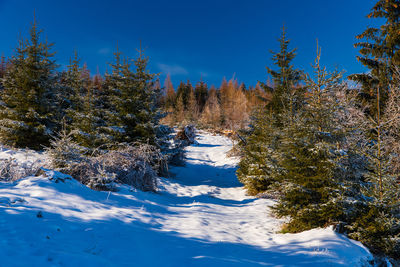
(64, 151)
(133, 165)
(12, 170)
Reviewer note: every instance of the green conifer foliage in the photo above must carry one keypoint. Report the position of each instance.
(201, 93)
(258, 167)
(82, 112)
(132, 110)
(27, 111)
(146, 105)
(184, 91)
(309, 185)
(260, 164)
(379, 52)
(377, 223)
(285, 78)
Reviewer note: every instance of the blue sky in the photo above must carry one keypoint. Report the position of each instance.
(193, 39)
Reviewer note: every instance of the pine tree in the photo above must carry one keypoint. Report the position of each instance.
(28, 110)
(377, 223)
(260, 164)
(285, 78)
(309, 184)
(201, 93)
(133, 113)
(110, 97)
(184, 91)
(379, 52)
(147, 105)
(82, 113)
(3, 66)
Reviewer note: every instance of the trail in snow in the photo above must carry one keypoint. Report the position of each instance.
(200, 217)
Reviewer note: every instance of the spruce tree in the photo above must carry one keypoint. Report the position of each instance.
(82, 113)
(285, 78)
(201, 93)
(379, 52)
(133, 113)
(259, 166)
(260, 163)
(169, 102)
(184, 91)
(377, 223)
(28, 109)
(148, 109)
(3, 66)
(309, 184)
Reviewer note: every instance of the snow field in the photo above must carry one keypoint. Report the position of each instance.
(199, 217)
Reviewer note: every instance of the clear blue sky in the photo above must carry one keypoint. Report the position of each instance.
(193, 39)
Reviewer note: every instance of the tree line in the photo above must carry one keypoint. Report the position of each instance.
(37, 101)
(226, 107)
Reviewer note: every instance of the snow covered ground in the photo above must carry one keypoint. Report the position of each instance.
(199, 217)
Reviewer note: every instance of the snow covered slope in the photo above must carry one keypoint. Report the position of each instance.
(200, 217)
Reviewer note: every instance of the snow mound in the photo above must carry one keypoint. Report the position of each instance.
(200, 217)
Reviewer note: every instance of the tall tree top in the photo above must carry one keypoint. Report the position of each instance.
(379, 51)
(285, 77)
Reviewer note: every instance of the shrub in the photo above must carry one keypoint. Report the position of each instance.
(12, 170)
(133, 165)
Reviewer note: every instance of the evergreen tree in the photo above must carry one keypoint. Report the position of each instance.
(377, 223)
(111, 97)
(285, 79)
(3, 66)
(184, 91)
(201, 93)
(261, 161)
(133, 112)
(147, 105)
(82, 113)
(258, 166)
(28, 109)
(169, 102)
(309, 184)
(379, 52)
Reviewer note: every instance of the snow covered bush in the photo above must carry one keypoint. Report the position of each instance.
(63, 151)
(133, 165)
(12, 170)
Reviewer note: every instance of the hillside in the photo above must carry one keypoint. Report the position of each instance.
(199, 217)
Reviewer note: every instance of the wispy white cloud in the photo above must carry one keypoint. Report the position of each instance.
(104, 51)
(172, 69)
